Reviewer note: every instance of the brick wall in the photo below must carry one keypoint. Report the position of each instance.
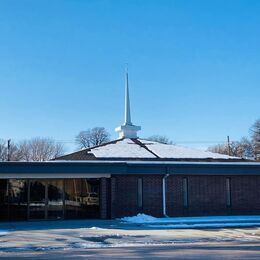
(207, 195)
(113, 196)
(124, 196)
(245, 195)
(152, 195)
(103, 198)
(174, 196)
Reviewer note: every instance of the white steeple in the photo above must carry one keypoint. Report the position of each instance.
(127, 102)
(127, 130)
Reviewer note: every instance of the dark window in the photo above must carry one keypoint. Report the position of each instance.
(18, 194)
(3, 199)
(185, 192)
(55, 199)
(37, 201)
(228, 191)
(72, 193)
(81, 198)
(49, 199)
(140, 193)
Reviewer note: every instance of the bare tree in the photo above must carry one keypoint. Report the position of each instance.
(255, 135)
(160, 139)
(242, 148)
(39, 149)
(246, 149)
(92, 137)
(3, 150)
(218, 148)
(13, 151)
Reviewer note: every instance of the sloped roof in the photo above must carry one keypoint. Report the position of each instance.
(140, 149)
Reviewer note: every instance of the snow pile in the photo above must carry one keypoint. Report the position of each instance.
(140, 218)
(95, 228)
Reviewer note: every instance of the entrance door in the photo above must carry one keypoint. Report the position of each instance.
(37, 199)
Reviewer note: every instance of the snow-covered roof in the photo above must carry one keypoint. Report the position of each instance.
(175, 151)
(124, 148)
(140, 149)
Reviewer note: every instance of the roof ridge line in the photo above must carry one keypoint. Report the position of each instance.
(138, 142)
(88, 149)
(104, 144)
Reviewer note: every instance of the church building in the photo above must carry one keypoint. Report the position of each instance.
(128, 176)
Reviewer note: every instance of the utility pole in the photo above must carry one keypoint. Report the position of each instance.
(228, 143)
(8, 149)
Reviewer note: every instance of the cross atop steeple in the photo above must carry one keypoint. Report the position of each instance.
(127, 130)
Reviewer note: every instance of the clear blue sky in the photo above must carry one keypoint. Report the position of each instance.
(193, 67)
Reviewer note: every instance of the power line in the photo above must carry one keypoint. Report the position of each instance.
(175, 141)
(70, 141)
(199, 142)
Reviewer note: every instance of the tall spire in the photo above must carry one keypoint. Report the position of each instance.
(127, 130)
(127, 101)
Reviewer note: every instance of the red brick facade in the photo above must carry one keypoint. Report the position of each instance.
(126, 188)
(104, 188)
(206, 195)
(245, 194)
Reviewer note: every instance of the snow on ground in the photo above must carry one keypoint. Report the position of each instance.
(140, 218)
(127, 232)
(143, 218)
(205, 225)
(194, 222)
(95, 228)
(3, 232)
